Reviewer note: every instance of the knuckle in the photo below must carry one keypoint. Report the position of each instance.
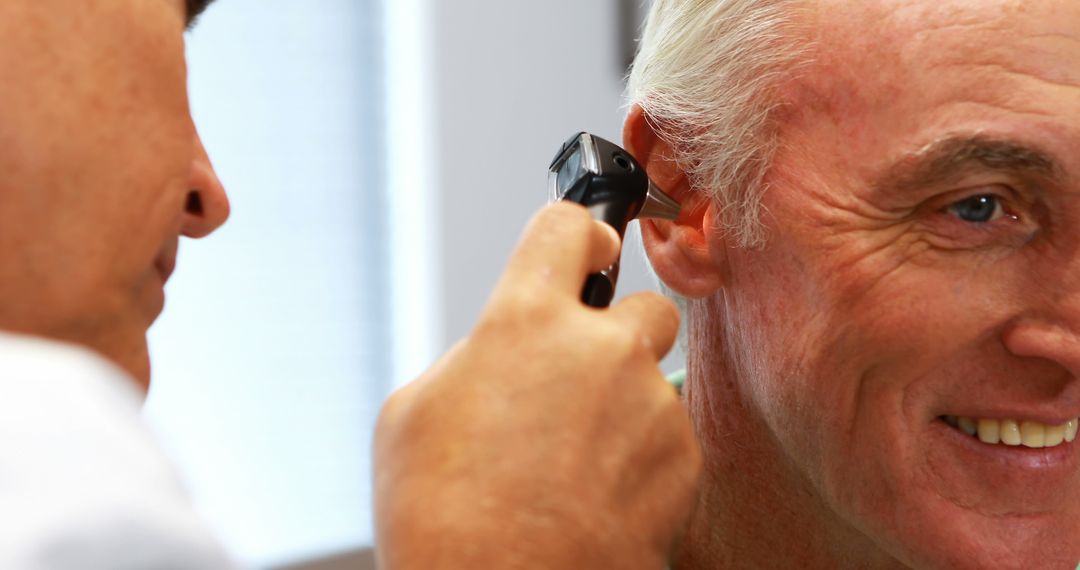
(524, 308)
(523, 301)
(635, 348)
(622, 343)
(562, 216)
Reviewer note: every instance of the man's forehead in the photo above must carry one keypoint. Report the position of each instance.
(903, 26)
(901, 93)
(891, 54)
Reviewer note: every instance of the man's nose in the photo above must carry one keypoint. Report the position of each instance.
(1047, 340)
(1051, 330)
(206, 206)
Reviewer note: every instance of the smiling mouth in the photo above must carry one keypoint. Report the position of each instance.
(1015, 433)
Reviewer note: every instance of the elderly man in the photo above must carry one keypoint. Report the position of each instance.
(103, 172)
(880, 265)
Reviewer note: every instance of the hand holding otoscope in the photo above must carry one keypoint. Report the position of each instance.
(548, 437)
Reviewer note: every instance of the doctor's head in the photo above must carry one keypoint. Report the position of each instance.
(103, 169)
(880, 255)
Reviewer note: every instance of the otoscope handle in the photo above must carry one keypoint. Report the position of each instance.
(617, 209)
(598, 291)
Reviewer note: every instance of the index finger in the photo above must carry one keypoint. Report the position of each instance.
(560, 247)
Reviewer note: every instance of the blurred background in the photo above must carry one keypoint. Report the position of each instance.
(381, 157)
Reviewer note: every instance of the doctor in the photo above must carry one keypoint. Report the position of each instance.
(545, 439)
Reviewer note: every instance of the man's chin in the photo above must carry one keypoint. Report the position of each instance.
(937, 535)
(978, 505)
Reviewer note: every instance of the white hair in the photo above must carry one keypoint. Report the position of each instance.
(705, 75)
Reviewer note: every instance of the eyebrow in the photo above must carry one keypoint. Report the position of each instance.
(951, 156)
(194, 8)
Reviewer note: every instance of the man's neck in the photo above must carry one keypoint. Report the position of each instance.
(755, 509)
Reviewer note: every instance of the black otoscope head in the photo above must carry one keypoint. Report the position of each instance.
(604, 178)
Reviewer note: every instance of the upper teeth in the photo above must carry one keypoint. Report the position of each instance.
(1012, 432)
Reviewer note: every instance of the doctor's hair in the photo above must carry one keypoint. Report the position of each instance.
(196, 7)
(706, 76)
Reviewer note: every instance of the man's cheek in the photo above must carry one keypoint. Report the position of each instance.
(800, 400)
(852, 382)
(924, 315)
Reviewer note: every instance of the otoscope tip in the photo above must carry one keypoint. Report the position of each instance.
(659, 205)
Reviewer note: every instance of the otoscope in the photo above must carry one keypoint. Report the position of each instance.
(604, 178)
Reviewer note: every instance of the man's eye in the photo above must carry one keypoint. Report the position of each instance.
(978, 209)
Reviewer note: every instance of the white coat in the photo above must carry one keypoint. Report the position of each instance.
(83, 485)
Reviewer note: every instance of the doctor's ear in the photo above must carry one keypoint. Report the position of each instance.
(687, 254)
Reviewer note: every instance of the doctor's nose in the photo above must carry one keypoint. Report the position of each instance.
(206, 206)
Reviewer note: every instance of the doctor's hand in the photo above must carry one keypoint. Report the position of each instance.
(548, 438)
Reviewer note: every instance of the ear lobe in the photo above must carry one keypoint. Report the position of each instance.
(681, 258)
(686, 254)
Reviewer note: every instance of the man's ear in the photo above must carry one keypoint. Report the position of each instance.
(685, 254)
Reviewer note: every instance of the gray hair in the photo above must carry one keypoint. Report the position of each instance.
(705, 75)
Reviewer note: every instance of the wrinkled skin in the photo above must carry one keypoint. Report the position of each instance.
(876, 307)
(100, 158)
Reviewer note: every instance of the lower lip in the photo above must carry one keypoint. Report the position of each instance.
(1046, 460)
(998, 480)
